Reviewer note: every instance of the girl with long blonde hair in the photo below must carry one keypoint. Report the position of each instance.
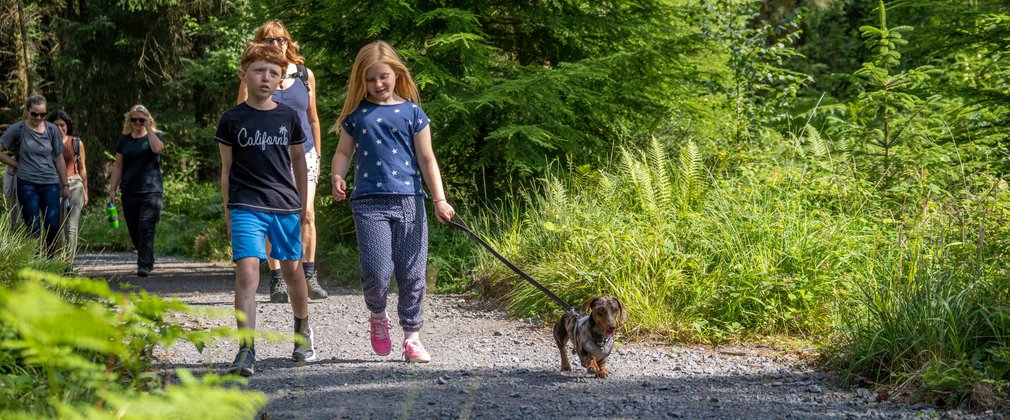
(383, 127)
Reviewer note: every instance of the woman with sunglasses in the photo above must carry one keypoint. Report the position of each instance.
(298, 91)
(138, 171)
(37, 148)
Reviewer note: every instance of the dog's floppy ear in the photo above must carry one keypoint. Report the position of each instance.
(589, 304)
(624, 313)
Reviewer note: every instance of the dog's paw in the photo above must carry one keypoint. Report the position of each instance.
(602, 374)
(565, 367)
(592, 370)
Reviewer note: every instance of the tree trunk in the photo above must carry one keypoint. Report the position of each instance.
(22, 57)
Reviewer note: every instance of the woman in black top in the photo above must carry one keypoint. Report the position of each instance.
(138, 171)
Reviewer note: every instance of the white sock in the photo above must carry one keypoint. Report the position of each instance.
(408, 335)
(380, 316)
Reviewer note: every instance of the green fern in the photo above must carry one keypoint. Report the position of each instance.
(661, 174)
(690, 173)
(640, 181)
(818, 146)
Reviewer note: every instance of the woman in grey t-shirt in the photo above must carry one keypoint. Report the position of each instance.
(37, 156)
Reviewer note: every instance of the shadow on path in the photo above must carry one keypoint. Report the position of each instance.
(171, 275)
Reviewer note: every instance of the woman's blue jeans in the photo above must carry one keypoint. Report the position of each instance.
(44, 199)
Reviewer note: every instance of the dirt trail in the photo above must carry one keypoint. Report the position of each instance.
(486, 365)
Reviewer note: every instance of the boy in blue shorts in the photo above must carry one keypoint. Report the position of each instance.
(260, 143)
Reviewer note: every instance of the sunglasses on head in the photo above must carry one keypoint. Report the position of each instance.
(138, 120)
(278, 40)
(37, 114)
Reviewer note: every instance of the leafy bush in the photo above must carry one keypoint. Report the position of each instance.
(76, 348)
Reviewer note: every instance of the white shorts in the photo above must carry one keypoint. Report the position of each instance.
(311, 166)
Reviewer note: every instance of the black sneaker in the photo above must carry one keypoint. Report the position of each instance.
(315, 290)
(244, 362)
(143, 272)
(278, 290)
(305, 352)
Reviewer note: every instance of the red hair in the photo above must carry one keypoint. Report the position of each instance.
(261, 52)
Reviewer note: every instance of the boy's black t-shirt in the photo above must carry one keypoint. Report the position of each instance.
(260, 177)
(141, 167)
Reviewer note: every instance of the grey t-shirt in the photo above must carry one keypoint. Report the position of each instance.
(36, 152)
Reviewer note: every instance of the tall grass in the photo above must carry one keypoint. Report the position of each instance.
(693, 258)
(932, 318)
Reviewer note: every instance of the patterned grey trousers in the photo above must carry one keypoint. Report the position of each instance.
(392, 233)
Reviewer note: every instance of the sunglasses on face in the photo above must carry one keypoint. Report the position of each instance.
(138, 120)
(37, 114)
(278, 40)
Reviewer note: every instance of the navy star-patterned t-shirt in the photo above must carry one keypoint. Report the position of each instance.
(260, 176)
(384, 155)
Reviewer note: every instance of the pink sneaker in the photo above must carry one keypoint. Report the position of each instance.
(381, 343)
(414, 352)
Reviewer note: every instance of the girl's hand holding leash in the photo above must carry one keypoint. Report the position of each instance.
(443, 210)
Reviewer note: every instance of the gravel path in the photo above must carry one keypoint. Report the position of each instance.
(486, 365)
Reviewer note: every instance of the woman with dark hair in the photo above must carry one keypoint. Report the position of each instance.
(138, 170)
(75, 160)
(41, 172)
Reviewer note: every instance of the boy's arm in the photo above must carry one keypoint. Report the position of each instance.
(341, 161)
(432, 176)
(301, 175)
(225, 173)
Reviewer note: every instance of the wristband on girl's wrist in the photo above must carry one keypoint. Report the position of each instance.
(436, 201)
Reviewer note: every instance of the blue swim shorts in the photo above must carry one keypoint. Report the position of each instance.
(249, 228)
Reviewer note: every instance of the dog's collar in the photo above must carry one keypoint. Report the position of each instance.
(602, 341)
(598, 339)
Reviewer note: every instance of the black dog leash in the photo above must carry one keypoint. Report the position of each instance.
(462, 226)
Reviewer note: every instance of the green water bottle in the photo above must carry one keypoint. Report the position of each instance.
(113, 215)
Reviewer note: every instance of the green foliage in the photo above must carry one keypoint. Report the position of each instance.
(692, 259)
(98, 58)
(75, 348)
(760, 87)
(931, 310)
(513, 87)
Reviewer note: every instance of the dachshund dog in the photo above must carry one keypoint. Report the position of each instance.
(592, 333)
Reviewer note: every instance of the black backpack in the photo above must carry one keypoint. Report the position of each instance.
(75, 143)
(302, 73)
